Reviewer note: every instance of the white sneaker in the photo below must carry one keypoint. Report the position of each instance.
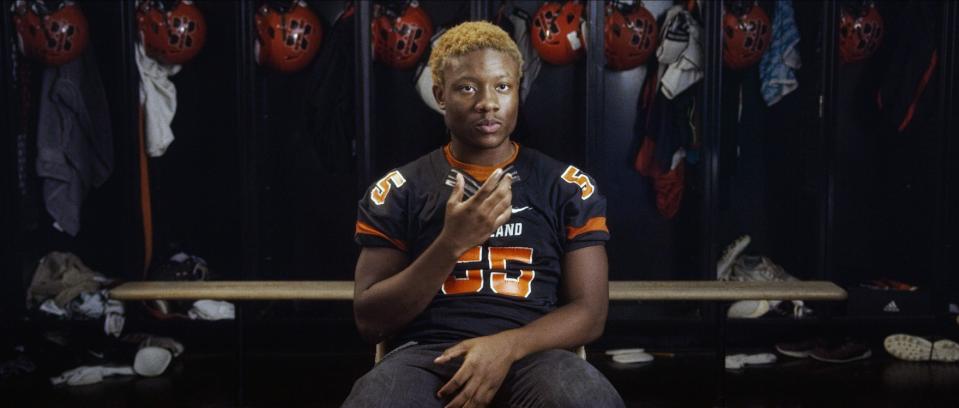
(915, 348)
(152, 361)
(738, 361)
(613, 352)
(748, 309)
(632, 358)
(729, 256)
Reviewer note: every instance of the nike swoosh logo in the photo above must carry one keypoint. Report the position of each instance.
(516, 210)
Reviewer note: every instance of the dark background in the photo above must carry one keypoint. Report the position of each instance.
(824, 186)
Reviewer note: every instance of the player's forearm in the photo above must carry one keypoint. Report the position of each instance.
(385, 307)
(572, 325)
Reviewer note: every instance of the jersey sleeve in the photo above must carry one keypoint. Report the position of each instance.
(382, 213)
(583, 210)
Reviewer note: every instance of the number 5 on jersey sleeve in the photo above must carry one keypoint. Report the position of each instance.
(572, 175)
(382, 189)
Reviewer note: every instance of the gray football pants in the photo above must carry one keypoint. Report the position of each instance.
(407, 377)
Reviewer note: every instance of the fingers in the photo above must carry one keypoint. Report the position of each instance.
(503, 216)
(465, 397)
(457, 195)
(502, 194)
(456, 383)
(489, 186)
(451, 353)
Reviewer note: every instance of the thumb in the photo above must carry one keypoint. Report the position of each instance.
(450, 354)
(456, 196)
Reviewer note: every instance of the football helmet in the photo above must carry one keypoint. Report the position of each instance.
(860, 32)
(557, 32)
(173, 32)
(631, 36)
(747, 33)
(52, 32)
(400, 34)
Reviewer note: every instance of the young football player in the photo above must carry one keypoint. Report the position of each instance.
(483, 263)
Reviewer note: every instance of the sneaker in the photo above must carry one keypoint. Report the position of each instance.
(748, 309)
(846, 352)
(723, 271)
(738, 361)
(802, 348)
(915, 348)
(759, 269)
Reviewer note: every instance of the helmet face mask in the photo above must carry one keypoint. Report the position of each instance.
(556, 32)
(401, 37)
(747, 33)
(51, 36)
(287, 39)
(171, 35)
(860, 32)
(631, 36)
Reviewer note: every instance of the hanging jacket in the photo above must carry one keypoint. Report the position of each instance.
(74, 138)
(326, 129)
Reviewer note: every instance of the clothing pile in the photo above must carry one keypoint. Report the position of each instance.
(63, 286)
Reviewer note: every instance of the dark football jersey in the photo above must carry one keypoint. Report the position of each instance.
(512, 278)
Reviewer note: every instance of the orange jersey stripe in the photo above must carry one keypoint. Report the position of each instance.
(364, 228)
(480, 173)
(593, 224)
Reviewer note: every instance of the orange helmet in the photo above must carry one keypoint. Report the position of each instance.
(288, 37)
(400, 35)
(747, 33)
(172, 32)
(860, 32)
(630, 37)
(557, 33)
(53, 35)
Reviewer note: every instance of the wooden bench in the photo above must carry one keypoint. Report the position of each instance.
(711, 291)
(343, 290)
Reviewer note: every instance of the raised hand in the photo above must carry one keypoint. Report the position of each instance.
(469, 223)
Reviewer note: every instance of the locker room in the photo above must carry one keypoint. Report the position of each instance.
(767, 142)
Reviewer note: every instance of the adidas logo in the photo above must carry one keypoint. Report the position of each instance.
(891, 307)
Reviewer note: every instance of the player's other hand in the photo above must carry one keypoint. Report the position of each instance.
(486, 361)
(470, 222)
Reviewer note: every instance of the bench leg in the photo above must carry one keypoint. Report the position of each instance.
(720, 310)
(240, 357)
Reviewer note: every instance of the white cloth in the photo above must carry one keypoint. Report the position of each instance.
(49, 306)
(681, 51)
(114, 318)
(211, 310)
(738, 361)
(84, 375)
(158, 95)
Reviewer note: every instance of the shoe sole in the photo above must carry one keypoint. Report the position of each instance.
(863, 356)
(794, 353)
(914, 348)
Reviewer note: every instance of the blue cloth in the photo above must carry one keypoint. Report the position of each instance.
(777, 68)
